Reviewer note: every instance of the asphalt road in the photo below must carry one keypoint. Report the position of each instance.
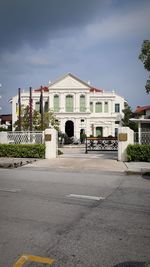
(50, 214)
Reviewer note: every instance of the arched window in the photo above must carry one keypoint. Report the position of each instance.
(69, 103)
(82, 103)
(98, 107)
(56, 103)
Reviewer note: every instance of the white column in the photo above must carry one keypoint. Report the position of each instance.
(139, 132)
(62, 102)
(14, 113)
(122, 145)
(77, 96)
(51, 102)
(62, 125)
(50, 143)
(87, 99)
(88, 128)
(77, 128)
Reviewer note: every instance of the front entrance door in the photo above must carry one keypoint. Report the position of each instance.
(69, 128)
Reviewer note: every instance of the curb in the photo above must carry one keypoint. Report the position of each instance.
(140, 172)
(16, 164)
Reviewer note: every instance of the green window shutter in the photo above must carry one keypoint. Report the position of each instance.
(82, 103)
(106, 107)
(56, 103)
(98, 107)
(69, 103)
(91, 107)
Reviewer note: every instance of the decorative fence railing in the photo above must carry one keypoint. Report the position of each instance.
(25, 137)
(143, 138)
(101, 144)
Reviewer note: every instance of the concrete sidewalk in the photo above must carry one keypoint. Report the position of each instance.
(137, 167)
(74, 159)
(80, 165)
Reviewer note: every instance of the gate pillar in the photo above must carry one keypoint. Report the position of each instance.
(3, 138)
(50, 143)
(125, 137)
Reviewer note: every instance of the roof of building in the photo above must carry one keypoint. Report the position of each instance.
(44, 88)
(6, 117)
(93, 89)
(72, 76)
(140, 109)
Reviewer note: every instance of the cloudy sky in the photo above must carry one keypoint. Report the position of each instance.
(96, 40)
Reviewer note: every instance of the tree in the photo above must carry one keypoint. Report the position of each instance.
(145, 58)
(128, 114)
(48, 119)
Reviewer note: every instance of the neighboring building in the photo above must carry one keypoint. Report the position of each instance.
(78, 106)
(6, 121)
(143, 112)
(142, 117)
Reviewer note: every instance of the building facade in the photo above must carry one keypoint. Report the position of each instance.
(78, 106)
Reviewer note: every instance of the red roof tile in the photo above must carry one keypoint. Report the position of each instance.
(95, 90)
(6, 117)
(44, 88)
(140, 109)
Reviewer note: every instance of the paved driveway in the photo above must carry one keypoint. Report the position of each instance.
(74, 159)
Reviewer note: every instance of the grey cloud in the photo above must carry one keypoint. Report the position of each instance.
(34, 21)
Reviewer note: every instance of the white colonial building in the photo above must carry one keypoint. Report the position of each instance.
(78, 106)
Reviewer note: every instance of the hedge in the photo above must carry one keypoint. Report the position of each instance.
(22, 151)
(138, 152)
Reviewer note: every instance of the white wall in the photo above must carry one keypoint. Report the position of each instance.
(122, 145)
(71, 85)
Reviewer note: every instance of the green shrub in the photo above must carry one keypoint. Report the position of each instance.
(22, 151)
(60, 152)
(138, 152)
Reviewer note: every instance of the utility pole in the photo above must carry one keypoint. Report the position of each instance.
(19, 102)
(30, 109)
(41, 109)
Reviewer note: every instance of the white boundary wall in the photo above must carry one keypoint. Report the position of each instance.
(3, 138)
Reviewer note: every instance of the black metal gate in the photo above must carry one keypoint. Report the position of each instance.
(101, 144)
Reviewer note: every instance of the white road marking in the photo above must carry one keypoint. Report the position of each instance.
(85, 197)
(14, 190)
